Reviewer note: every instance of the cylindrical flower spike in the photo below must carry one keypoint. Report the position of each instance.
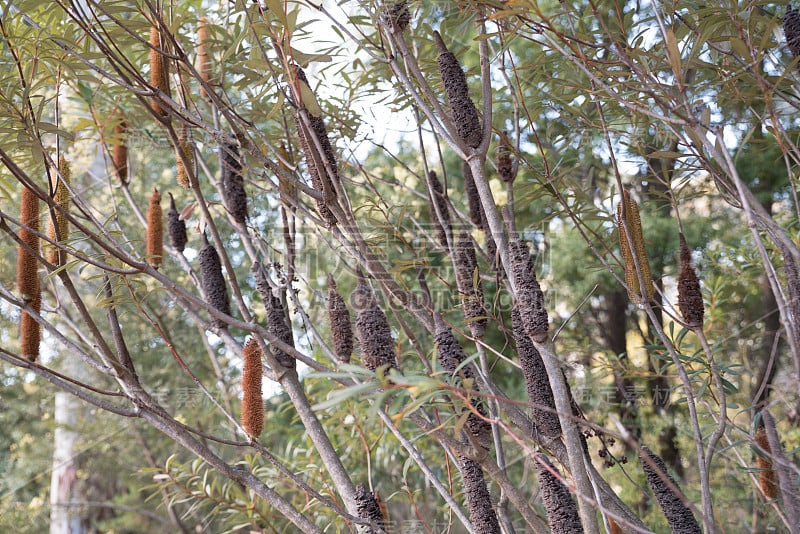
(479, 501)
(469, 284)
(159, 69)
(690, 297)
(234, 196)
(440, 213)
(184, 172)
(368, 508)
(530, 299)
(204, 67)
(766, 476)
(155, 231)
(213, 282)
(176, 227)
(396, 15)
(628, 211)
(61, 223)
(28, 283)
(341, 327)
(562, 512)
(252, 403)
(119, 156)
(373, 330)
(679, 516)
(465, 115)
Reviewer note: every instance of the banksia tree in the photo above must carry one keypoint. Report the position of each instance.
(203, 58)
(252, 403)
(690, 298)
(213, 283)
(440, 214)
(465, 115)
(679, 516)
(479, 502)
(791, 29)
(396, 15)
(27, 274)
(470, 287)
(505, 165)
(58, 229)
(234, 196)
(155, 231)
(628, 214)
(119, 154)
(373, 330)
(562, 512)
(766, 476)
(451, 357)
(176, 228)
(341, 328)
(537, 383)
(184, 172)
(530, 299)
(159, 69)
(368, 508)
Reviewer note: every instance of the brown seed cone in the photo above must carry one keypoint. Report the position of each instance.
(396, 15)
(28, 284)
(155, 231)
(628, 210)
(176, 228)
(62, 197)
(476, 214)
(439, 212)
(766, 476)
(465, 115)
(119, 155)
(368, 508)
(277, 326)
(252, 403)
(341, 327)
(451, 356)
(479, 501)
(373, 330)
(204, 67)
(234, 196)
(536, 381)
(562, 512)
(159, 70)
(530, 298)
(505, 165)
(213, 282)
(316, 166)
(470, 287)
(184, 173)
(679, 516)
(690, 298)
(791, 29)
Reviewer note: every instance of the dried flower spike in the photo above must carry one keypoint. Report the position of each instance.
(766, 476)
(479, 502)
(530, 298)
(203, 59)
(159, 70)
(234, 196)
(562, 512)
(28, 284)
(278, 326)
(505, 165)
(341, 327)
(373, 330)
(628, 211)
(119, 156)
(315, 163)
(469, 284)
(155, 231)
(473, 198)
(368, 508)
(690, 298)
(439, 212)
(791, 29)
(465, 115)
(252, 403)
(396, 15)
(184, 172)
(176, 227)
(214, 288)
(61, 223)
(679, 516)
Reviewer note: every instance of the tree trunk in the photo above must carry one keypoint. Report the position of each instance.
(64, 490)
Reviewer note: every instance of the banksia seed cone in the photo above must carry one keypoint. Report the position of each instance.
(465, 115)
(233, 193)
(396, 15)
(155, 231)
(213, 282)
(451, 356)
(679, 516)
(469, 284)
(176, 227)
(159, 70)
(562, 512)
(278, 327)
(373, 330)
(62, 198)
(766, 477)
(368, 508)
(473, 198)
(341, 328)
(184, 173)
(315, 163)
(505, 165)
(203, 59)
(628, 211)
(27, 274)
(440, 214)
(119, 155)
(536, 381)
(791, 29)
(530, 298)
(479, 502)
(690, 298)
(252, 403)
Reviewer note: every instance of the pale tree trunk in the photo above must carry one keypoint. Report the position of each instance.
(64, 489)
